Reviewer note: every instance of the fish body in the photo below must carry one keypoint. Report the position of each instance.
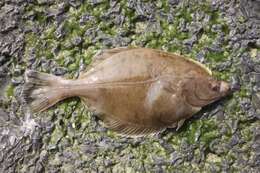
(135, 91)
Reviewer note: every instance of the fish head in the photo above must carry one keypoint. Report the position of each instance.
(203, 91)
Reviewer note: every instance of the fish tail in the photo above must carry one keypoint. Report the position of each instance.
(43, 90)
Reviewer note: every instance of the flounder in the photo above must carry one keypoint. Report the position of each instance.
(135, 91)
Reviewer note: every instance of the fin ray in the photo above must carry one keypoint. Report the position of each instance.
(41, 90)
(129, 129)
(100, 56)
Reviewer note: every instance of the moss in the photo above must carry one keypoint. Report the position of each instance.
(243, 92)
(217, 56)
(9, 91)
(200, 130)
(56, 135)
(75, 125)
(225, 28)
(184, 13)
(49, 33)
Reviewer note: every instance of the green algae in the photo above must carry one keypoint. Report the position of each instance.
(200, 132)
(10, 90)
(203, 131)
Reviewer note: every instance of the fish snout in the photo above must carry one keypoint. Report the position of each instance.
(225, 88)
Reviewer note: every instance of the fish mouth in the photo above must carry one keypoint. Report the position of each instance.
(224, 87)
(227, 89)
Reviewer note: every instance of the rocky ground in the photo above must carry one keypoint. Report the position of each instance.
(61, 37)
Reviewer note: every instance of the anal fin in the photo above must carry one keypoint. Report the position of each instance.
(130, 129)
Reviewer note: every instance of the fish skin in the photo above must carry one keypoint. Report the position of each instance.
(138, 91)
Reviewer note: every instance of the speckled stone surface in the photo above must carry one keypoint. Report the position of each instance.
(60, 37)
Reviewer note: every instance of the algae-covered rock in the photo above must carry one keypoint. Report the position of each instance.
(61, 37)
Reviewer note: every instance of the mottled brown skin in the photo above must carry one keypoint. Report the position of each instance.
(137, 91)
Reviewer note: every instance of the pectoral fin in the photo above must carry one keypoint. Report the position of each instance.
(180, 124)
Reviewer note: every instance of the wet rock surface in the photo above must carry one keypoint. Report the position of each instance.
(60, 37)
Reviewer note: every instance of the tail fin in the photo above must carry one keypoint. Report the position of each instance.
(42, 90)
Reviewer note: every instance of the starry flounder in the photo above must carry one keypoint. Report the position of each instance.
(135, 91)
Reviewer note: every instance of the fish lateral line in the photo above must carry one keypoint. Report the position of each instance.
(128, 83)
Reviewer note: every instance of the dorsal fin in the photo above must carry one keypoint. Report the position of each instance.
(205, 68)
(201, 65)
(102, 55)
(130, 129)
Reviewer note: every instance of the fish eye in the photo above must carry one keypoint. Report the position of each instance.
(215, 87)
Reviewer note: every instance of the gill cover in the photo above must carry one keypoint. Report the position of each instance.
(202, 91)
